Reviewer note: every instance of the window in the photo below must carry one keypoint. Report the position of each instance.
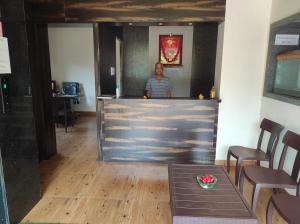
(287, 76)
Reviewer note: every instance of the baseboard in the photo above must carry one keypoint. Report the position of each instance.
(233, 162)
(86, 113)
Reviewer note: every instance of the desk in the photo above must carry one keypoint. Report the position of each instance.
(158, 130)
(64, 100)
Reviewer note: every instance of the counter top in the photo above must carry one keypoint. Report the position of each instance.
(172, 98)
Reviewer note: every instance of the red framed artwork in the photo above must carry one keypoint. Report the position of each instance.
(170, 49)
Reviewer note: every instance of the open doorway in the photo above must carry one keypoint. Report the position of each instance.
(71, 48)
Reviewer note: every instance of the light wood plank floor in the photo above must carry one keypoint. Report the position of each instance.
(76, 188)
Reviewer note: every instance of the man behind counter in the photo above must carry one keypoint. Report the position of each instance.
(158, 86)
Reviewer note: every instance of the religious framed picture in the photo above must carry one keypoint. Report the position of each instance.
(170, 49)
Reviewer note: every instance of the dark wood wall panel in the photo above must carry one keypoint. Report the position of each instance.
(18, 140)
(128, 11)
(159, 130)
(42, 11)
(204, 58)
(136, 60)
(107, 44)
(41, 89)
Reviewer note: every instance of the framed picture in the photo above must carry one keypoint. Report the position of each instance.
(170, 49)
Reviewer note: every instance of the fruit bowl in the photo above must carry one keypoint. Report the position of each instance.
(207, 181)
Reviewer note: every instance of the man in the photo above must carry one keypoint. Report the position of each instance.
(158, 86)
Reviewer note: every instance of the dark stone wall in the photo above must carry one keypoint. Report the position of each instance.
(136, 60)
(204, 58)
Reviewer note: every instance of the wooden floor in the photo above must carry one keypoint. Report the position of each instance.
(77, 188)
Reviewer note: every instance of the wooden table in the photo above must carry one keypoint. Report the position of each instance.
(191, 204)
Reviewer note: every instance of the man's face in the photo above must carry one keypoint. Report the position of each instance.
(159, 69)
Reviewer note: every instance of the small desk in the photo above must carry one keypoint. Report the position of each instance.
(66, 101)
(191, 204)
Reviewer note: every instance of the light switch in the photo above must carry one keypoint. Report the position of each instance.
(112, 71)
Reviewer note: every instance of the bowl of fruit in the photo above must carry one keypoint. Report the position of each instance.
(207, 181)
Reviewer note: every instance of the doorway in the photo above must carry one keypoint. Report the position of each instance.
(71, 49)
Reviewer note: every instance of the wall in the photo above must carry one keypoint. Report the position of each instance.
(203, 58)
(18, 130)
(107, 45)
(136, 67)
(179, 75)
(219, 54)
(41, 77)
(72, 59)
(243, 63)
(284, 113)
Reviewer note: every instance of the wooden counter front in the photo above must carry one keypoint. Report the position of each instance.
(158, 130)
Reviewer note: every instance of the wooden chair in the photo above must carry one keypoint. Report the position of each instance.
(242, 153)
(262, 177)
(287, 206)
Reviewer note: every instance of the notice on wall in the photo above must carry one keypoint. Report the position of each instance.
(287, 39)
(4, 57)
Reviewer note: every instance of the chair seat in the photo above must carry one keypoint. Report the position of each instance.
(248, 153)
(288, 207)
(269, 178)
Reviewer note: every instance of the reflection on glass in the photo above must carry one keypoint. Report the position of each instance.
(287, 79)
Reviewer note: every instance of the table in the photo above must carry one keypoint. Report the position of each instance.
(66, 102)
(191, 204)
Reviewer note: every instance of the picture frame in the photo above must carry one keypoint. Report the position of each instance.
(170, 50)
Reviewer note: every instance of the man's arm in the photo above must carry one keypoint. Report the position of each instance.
(148, 93)
(148, 89)
(169, 93)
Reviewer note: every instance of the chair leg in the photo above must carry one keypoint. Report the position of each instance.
(255, 195)
(237, 171)
(228, 161)
(275, 191)
(269, 212)
(241, 181)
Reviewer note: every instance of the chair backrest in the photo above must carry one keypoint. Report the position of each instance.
(70, 88)
(291, 140)
(274, 129)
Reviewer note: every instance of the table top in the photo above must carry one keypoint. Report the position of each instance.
(190, 202)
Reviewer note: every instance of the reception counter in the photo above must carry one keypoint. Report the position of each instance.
(157, 130)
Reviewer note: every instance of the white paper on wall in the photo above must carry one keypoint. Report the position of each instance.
(287, 39)
(4, 56)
